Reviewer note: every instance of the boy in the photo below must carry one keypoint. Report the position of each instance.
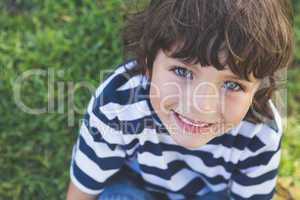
(191, 116)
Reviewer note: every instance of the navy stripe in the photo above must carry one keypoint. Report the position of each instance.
(244, 180)
(174, 167)
(84, 179)
(94, 132)
(129, 156)
(122, 97)
(128, 127)
(197, 184)
(154, 148)
(116, 82)
(255, 144)
(114, 123)
(239, 142)
(190, 188)
(117, 67)
(260, 159)
(104, 163)
(206, 157)
(193, 186)
(131, 145)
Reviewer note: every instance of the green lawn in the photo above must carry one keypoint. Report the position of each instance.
(66, 44)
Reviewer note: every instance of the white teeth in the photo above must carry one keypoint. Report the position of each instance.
(191, 123)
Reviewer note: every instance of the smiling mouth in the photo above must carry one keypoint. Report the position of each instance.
(192, 126)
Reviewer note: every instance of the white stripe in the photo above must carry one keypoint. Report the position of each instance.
(82, 187)
(260, 170)
(109, 134)
(132, 150)
(193, 162)
(117, 72)
(101, 149)
(262, 131)
(218, 151)
(130, 65)
(248, 129)
(125, 112)
(146, 135)
(92, 169)
(177, 181)
(132, 83)
(235, 131)
(248, 191)
(266, 136)
(277, 116)
(198, 165)
(152, 160)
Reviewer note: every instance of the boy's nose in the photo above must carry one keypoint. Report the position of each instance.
(205, 98)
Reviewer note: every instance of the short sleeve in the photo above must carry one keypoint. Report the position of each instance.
(98, 153)
(256, 173)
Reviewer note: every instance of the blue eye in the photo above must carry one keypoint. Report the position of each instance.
(183, 72)
(233, 86)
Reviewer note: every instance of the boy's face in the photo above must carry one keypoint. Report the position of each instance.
(197, 104)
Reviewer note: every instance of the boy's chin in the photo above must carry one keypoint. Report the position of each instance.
(190, 141)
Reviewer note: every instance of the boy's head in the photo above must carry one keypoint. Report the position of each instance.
(194, 45)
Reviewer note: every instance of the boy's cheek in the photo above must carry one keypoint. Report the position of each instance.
(235, 114)
(165, 92)
(165, 100)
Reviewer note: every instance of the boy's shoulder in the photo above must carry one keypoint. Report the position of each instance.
(261, 136)
(119, 84)
(120, 96)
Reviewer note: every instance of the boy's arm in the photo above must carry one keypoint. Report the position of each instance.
(256, 175)
(76, 194)
(98, 153)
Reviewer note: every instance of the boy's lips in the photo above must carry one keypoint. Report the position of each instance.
(192, 126)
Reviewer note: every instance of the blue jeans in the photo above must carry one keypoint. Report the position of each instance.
(127, 186)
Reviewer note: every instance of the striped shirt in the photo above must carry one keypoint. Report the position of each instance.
(120, 128)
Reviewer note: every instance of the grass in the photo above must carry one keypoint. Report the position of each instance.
(68, 40)
(66, 44)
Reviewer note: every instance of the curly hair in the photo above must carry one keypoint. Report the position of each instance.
(256, 36)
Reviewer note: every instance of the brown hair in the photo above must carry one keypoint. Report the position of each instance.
(256, 36)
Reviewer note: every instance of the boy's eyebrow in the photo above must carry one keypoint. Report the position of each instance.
(235, 77)
(230, 76)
